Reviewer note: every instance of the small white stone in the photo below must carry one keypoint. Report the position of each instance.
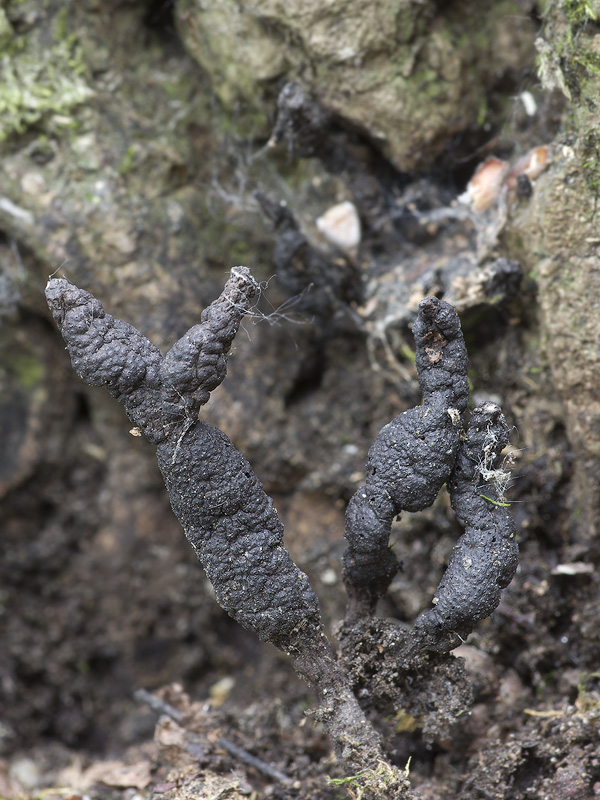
(26, 773)
(340, 225)
(328, 577)
(529, 103)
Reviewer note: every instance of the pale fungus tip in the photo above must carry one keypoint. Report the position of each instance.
(340, 225)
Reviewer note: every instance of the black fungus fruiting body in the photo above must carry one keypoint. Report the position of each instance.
(411, 458)
(238, 536)
(485, 558)
(234, 528)
(226, 515)
(160, 395)
(109, 352)
(197, 363)
(222, 506)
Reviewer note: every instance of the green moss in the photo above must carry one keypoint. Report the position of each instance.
(579, 11)
(429, 85)
(127, 162)
(27, 370)
(405, 722)
(245, 122)
(379, 783)
(6, 31)
(482, 112)
(591, 162)
(37, 80)
(588, 61)
(61, 25)
(240, 252)
(587, 699)
(574, 51)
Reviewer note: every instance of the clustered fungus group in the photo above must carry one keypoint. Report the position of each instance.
(235, 530)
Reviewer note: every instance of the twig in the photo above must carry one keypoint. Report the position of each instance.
(158, 705)
(253, 761)
(161, 707)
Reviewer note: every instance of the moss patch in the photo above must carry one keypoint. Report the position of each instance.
(36, 80)
(572, 61)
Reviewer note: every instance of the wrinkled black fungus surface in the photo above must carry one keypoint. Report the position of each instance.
(159, 394)
(109, 352)
(411, 458)
(485, 558)
(225, 513)
(237, 535)
(394, 667)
